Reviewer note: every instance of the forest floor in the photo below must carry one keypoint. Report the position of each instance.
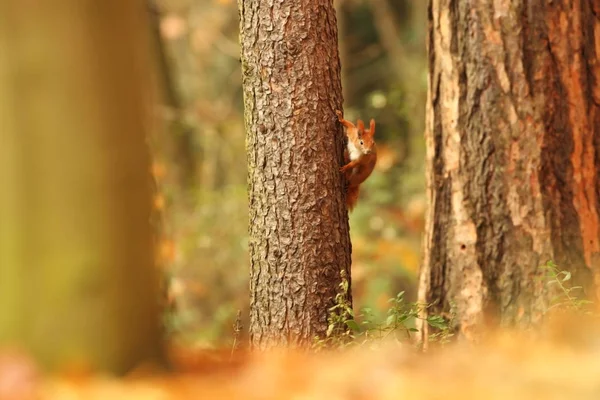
(563, 365)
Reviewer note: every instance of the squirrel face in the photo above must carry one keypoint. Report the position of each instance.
(365, 141)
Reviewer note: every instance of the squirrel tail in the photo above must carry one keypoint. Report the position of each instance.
(352, 196)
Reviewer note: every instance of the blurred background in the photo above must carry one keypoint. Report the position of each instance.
(200, 166)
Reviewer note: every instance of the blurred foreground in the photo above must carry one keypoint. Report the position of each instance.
(563, 365)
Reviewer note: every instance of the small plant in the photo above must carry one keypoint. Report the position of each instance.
(566, 298)
(344, 329)
(341, 324)
(445, 332)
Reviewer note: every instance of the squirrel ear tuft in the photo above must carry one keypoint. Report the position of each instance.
(360, 125)
(372, 127)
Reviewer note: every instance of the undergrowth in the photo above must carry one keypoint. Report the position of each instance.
(566, 297)
(346, 329)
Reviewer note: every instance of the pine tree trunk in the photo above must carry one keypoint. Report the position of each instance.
(299, 239)
(513, 141)
(77, 276)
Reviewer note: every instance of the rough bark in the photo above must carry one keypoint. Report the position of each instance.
(513, 155)
(299, 238)
(77, 276)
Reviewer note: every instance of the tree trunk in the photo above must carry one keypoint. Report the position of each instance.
(513, 155)
(299, 239)
(77, 277)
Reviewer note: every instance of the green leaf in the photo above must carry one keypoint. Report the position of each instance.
(403, 318)
(330, 329)
(345, 286)
(437, 321)
(351, 324)
(390, 320)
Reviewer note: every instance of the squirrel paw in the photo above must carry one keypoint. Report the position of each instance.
(339, 114)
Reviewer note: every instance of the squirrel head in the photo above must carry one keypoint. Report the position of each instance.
(365, 137)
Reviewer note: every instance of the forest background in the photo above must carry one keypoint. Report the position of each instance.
(200, 158)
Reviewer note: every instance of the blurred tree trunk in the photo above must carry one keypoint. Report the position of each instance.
(389, 35)
(513, 140)
(77, 277)
(299, 239)
(175, 142)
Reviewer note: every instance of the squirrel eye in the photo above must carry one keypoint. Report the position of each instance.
(361, 142)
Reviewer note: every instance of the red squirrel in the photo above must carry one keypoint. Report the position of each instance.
(360, 156)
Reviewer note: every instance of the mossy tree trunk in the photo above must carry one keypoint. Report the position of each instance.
(299, 239)
(77, 276)
(513, 161)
